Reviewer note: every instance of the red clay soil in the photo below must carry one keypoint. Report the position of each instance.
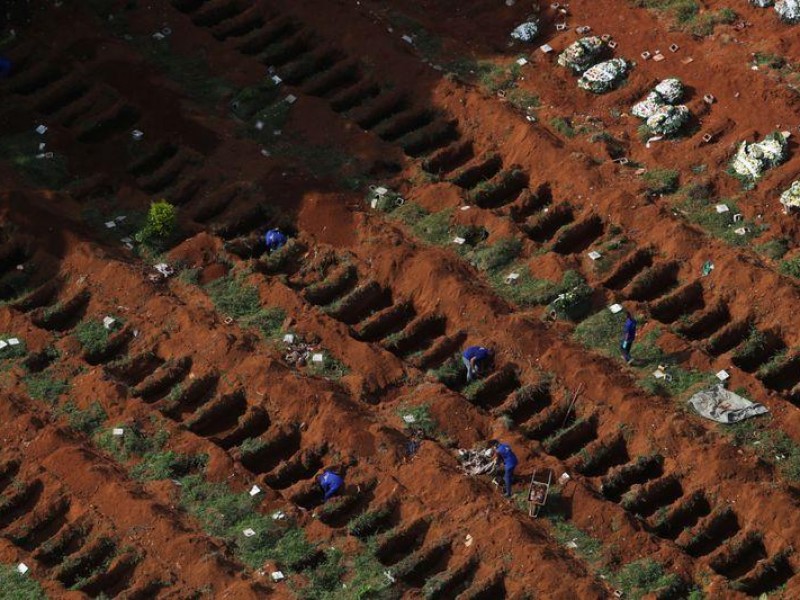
(672, 488)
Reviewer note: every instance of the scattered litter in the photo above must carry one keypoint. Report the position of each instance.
(265, 152)
(288, 338)
(22, 568)
(526, 32)
(120, 218)
(708, 266)
(546, 48)
(468, 540)
(407, 39)
(111, 224)
(291, 99)
(709, 99)
(723, 406)
(722, 208)
(522, 62)
(741, 231)
(3, 344)
(298, 353)
(276, 80)
(249, 532)
(687, 60)
(615, 308)
(658, 57)
(583, 29)
(618, 593)
(108, 322)
(13, 341)
(476, 461)
(738, 217)
(259, 125)
(660, 372)
(459, 240)
(277, 576)
(118, 431)
(571, 545)
(164, 269)
(564, 478)
(389, 576)
(318, 357)
(42, 146)
(723, 375)
(278, 515)
(655, 138)
(137, 134)
(41, 129)
(594, 255)
(255, 490)
(158, 36)
(467, 207)
(512, 278)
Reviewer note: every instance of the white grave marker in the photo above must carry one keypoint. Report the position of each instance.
(255, 490)
(615, 308)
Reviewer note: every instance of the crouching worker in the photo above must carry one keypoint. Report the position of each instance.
(503, 452)
(275, 239)
(5, 67)
(330, 483)
(476, 359)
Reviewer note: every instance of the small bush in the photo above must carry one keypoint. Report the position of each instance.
(791, 267)
(93, 336)
(563, 126)
(775, 249)
(162, 218)
(423, 420)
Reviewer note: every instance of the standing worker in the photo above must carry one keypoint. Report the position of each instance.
(629, 334)
(275, 239)
(5, 67)
(474, 357)
(330, 483)
(503, 452)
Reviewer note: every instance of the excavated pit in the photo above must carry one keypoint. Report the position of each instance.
(654, 282)
(629, 268)
(579, 236)
(705, 324)
(686, 300)
(685, 514)
(602, 456)
(622, 478)
(544, 226)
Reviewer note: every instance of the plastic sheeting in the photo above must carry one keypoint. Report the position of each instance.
(582, 54)
(752, 160)
(723, 406)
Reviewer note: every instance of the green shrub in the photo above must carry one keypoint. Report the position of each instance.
(563, 126)
(162, 219)
(791, 266)
(423, 420)
(637, 579)
(775, 249)
(93, 336)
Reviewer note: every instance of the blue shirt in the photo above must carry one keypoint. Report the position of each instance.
(5, 67)
(477, 352)
(507, 454)
(630, 329)
(275, 239)
(330, 483)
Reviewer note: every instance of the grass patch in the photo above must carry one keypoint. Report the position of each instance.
(642, 577)
(93, 336)
(12, 352)
(16, 586)
(588, 548)
(87, 420)
(563, 126)
(773, 446)
(701, 211)
(42, 386)
(528, 291)
(168, 465)
(131, 444)
(423, 420)
(775, 249)
(790, 267)
(21, 151)
(237, 299)
(330, 367)
(497, 255)
(660, 182)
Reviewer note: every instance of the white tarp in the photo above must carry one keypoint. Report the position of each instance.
(723, 406)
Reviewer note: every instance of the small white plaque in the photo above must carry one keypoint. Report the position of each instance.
(41, 129)
(13, 341)
(722, 208)
(723, 375)
(22, 568)
(459, 240)
(255, 490)
(615, 308)
(594, 255)
(248, 532)
(118, 431)
(318, 357)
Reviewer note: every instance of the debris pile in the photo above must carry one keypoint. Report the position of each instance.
(298, 353)
(791, 197)
(752, 160)
(604, 77)
(662, 115)
(788, 11)
(526, 32)
(477, 461)
(581, 55)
